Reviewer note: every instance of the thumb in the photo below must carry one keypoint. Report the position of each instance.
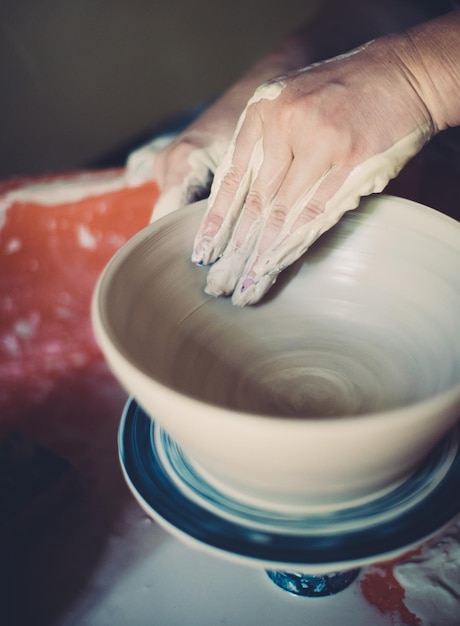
(140, 166)
(181, 190)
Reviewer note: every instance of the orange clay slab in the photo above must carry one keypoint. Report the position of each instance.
(50, 258)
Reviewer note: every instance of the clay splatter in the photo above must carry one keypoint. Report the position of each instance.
(382, 589)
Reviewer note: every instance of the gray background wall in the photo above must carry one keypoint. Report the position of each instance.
(80, 79)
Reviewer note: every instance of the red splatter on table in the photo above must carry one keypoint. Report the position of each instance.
(382, 589)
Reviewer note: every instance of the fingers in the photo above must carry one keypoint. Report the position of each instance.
(281, 191)
(234, 177)
(305, 151)
(286, 209)
(339, 190)
(226, 272)
(294, 194)
(314, 212)
(231, 184)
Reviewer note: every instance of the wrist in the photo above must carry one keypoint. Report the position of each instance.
(388, 62)
(430, 54)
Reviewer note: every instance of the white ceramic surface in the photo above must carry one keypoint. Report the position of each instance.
(331, 390)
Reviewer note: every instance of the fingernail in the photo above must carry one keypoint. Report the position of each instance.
(246, 291)
(247, 282)
(200, 254)
(252, 289)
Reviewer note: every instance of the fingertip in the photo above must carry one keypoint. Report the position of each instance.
(251, 289)
(200, 254)
(246, 284)
(204, 251)
(214, 287)
(224, 274)
(212, 290)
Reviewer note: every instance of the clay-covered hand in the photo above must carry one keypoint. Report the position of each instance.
(307, 147)
(182, 166)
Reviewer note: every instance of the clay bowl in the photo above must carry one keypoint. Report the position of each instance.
(329, 392)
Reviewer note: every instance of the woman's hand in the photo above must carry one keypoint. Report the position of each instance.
(183, 166)
(307, 147)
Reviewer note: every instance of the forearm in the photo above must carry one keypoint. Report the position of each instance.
(432, 47)
(430, 54)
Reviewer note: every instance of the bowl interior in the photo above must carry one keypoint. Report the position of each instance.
(367, 320)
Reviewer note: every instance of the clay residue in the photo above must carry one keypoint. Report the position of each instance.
(422, 586)
(382, 589)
